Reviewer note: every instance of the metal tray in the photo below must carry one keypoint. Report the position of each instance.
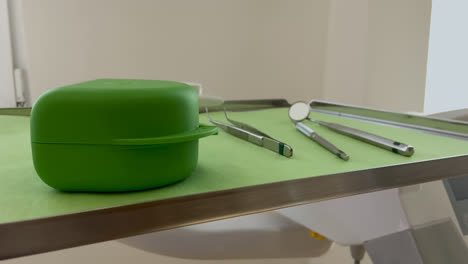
(76, 229)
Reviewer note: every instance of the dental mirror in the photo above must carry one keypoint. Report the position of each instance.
(299, 111)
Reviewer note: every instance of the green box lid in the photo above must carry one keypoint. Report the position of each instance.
(117, 111)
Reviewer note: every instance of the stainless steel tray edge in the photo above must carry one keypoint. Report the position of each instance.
(70, 230)
(320, 106)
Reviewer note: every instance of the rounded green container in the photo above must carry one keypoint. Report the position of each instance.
(113, 135)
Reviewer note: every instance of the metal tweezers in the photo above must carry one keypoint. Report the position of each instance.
(252, 135)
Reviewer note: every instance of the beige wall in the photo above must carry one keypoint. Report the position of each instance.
(7, 95)
(236, 48)
(377, 53)
(346, 72)
(398, 45)
(365, 52)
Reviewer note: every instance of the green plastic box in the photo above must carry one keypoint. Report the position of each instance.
(113, 135)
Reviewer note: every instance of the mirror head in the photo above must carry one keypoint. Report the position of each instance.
(299, 111)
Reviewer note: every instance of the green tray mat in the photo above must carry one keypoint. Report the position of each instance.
(225, 162)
